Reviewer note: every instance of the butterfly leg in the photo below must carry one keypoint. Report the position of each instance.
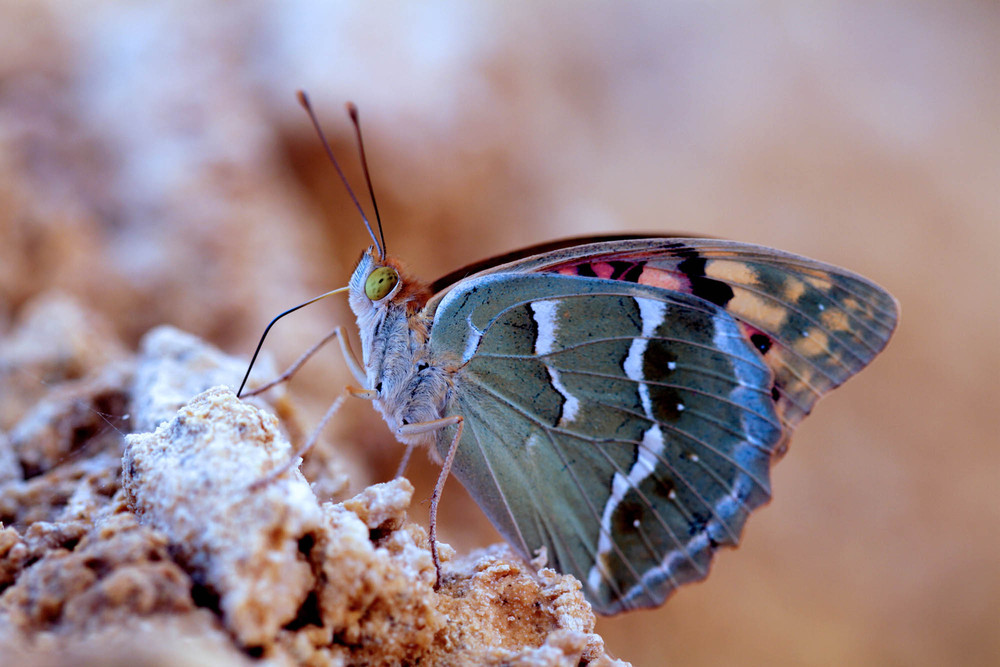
(367, 394)
(427, 427)
(370, 394)
(406, 460)
(301, 451)
(345, 350)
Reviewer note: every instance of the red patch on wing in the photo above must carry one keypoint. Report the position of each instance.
(666, 279)
(602, 269)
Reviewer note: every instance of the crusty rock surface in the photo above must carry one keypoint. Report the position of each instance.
(174, 365)
(191, 479)
(351, 582)
(175, 546)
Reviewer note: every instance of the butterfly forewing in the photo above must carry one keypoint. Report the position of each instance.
(625, 428)
(815, 324)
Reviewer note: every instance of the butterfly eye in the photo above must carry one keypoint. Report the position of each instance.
(380, 282)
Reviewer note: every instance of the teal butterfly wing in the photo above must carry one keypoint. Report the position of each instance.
(622, 406)
(627, 429)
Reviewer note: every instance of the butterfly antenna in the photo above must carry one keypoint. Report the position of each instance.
(352, 111)
(304, 101)
(260, 344)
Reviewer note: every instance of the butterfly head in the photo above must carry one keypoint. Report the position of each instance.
(373, 283)
(381, 292)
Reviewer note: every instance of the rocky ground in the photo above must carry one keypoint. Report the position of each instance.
(133, 529)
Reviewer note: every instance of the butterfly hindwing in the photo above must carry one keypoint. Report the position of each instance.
(626, 428)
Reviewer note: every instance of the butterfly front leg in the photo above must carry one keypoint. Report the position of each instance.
(306, 446)
(345, 349)
(355, 368)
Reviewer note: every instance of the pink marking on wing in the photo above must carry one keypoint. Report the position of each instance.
(568, 270)
(665, 279)
(602, 269)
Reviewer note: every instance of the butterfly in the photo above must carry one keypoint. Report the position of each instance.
(616, 402)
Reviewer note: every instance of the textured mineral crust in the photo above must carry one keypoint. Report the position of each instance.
(142, 521)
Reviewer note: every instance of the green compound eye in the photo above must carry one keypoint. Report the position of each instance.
(380, 282)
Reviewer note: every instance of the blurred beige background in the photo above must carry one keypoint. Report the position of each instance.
(155, 165)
